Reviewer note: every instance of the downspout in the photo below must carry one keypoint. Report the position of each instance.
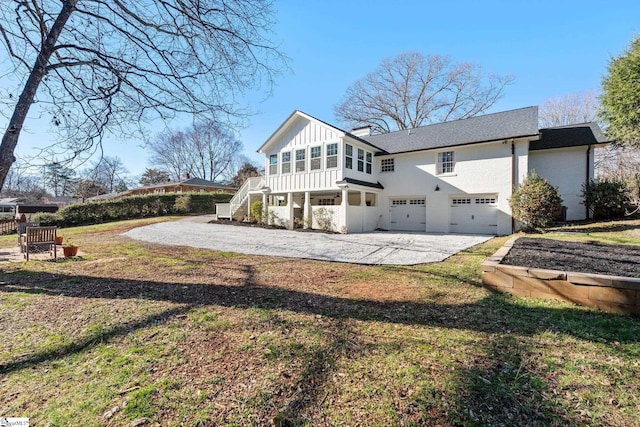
(587, 180)
(513, 180)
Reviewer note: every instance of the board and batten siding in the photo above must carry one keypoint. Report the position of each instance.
(304, 134)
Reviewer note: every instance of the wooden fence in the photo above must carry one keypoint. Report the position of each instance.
(7, 226)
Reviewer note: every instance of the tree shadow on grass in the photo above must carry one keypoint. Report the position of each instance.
(482, 387)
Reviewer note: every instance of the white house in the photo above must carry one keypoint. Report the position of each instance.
(452, 177)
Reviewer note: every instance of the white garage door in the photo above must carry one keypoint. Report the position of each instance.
(408, 214)
(474, 214)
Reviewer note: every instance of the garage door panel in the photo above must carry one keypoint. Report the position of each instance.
(407, 214)
(474, 214)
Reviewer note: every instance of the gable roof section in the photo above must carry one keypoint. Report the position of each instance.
(297, 114)
(569, 136)
(490, 127)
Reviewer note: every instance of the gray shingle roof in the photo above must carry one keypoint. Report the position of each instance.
(490, 127)
(569, 136)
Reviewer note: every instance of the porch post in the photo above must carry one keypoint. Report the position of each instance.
(249, 205)
(265, 207)
(308, 218)
(345, 210)
(290, 209)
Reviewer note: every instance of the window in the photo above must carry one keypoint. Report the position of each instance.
(369, 162)
(273, 164)
(300, 160)
(486, 201)
(348, 156)
(388, 165)
(286, 162)
(461, 202)
(360, 160)
(399, 202)
(332, 156)
(326, 202)
(316, 153)
(446, 162)
(421, 202)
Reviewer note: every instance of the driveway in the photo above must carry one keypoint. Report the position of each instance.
(390, 248)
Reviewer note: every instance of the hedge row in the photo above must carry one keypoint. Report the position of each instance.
(133, 207)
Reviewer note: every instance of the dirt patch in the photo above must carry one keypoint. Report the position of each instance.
(592, 257)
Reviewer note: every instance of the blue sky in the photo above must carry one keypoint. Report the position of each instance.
(552, 48)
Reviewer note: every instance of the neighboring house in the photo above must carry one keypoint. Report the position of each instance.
(8, 205)
(186, 185)
(62, 201)
(452, 177)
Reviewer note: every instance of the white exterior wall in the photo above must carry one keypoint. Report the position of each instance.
(479, 169)
(565, 168)
(304, 134)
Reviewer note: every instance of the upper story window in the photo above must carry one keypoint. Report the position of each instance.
(332, 156)
(273, 164)
(369, 163)
(348, 156)
(360, 160)
(387, 165)
(300, 160)
(286, 162)
(316, 161)
(446, 162)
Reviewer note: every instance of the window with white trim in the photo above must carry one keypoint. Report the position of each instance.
(399, 202)
(461, 201)
(421, 202)
(316, 158)
(369, 163)
(326, 202)
(387, 165)
(486, 201)
(300, 160)
(273, 164)
(332, 155)
(446, 162)
(360, 160)
(286, 162)
(348, 156)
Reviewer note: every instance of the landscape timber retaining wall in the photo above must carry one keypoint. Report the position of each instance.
(609, 293)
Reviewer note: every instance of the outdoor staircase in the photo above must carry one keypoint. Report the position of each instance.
(237, 207)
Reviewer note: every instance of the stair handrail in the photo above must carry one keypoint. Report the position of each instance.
(249, 184)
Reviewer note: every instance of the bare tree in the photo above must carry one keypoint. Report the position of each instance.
(622, 164)
(412, 90)
(213, 149)
(207, 150)
(574, 108)
(106, 66)
(107, 173)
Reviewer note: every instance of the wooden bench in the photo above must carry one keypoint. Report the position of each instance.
(21, 229)
(40, 239)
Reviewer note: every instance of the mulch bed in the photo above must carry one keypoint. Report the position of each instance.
(592, 257)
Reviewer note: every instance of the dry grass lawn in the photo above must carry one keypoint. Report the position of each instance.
(141, 334)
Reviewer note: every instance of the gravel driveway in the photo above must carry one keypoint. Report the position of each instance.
(391, 248)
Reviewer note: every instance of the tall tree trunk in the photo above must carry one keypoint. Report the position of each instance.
(39, 70)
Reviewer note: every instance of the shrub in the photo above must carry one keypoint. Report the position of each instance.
(606, 199)
(536, 203)
(134, 207)
(324, 218)
(257, 213)
(182, 204)
(46, 218)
